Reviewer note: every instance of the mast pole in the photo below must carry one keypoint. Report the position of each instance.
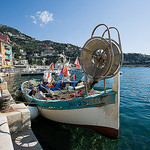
(86, 86)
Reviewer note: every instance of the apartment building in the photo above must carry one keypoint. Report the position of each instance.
(5, 51)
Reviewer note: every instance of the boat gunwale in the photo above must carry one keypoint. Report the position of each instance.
(108, 92)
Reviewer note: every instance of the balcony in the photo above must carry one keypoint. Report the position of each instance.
(7, 46)
(7, 52)
(8, 58)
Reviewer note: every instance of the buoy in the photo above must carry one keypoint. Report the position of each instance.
(33, 111)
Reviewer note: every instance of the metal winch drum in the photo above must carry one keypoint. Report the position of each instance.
(101, 58)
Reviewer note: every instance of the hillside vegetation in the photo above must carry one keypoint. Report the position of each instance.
(32, 47)
(136, 59)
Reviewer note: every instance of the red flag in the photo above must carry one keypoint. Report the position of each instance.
(66, 73)
(52, 80)
(74, 76)
(49, 73)
(52, 67)
(77, 62)
(64, 70)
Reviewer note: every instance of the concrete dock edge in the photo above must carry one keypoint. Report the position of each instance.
(15, 127)
(5, 136)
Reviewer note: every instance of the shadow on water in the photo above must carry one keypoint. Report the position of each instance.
(55, 136)
(51, 135)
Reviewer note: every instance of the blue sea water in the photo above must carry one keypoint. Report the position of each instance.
(134, 118)
(135, 109)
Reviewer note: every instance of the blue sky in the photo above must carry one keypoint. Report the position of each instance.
(72, 21)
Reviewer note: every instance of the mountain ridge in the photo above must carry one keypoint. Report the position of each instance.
(31, 46)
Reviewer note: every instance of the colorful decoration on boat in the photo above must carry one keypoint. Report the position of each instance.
(74, 76)
(77, 62)
(52, 67)
(66, 72)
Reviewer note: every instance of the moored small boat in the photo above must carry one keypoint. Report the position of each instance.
(99, 110)
(82, 105)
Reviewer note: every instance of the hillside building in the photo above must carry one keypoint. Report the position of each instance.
(5, 51)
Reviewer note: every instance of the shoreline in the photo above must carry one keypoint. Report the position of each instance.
(131, 66)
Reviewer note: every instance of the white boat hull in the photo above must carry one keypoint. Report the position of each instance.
(100, 118)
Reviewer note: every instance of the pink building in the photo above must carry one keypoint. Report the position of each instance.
(5, 51)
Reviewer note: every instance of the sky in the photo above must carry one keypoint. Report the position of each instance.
(72, 21)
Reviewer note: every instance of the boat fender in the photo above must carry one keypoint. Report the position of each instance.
(79, 87)
(33, 111)
(70, 88)
(76, 87)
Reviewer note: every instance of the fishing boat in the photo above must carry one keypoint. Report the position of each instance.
(82, 104)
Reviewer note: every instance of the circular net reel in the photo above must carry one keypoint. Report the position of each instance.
(96, 58)
(118, 59)
(101, 58)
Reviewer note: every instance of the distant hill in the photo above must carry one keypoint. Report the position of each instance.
(32, 46)
(136, 59)
(47, 41)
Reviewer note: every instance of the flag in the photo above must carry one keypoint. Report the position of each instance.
(74, 76)
(49, 73)
(62, 71)
(77, 62)
(66, 72)
(52, 80)
(52, 67)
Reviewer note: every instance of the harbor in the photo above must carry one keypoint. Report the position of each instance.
(74, 75)
(133, 120)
